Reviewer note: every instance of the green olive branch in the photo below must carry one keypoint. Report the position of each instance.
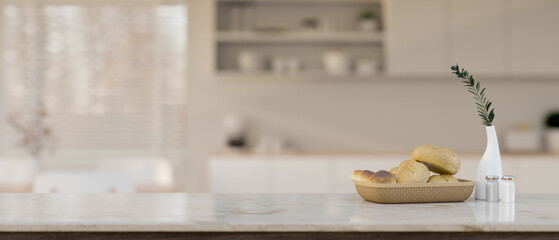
(484, 109)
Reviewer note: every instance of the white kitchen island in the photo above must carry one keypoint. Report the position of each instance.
(257, 216)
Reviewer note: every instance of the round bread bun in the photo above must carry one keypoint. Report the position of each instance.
(383, 177)
(355, 174)
(362, 175)
(445, 178)
(394, 172)
(438, 159)
(411, 171)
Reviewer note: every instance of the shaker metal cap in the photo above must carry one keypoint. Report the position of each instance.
(492, 177)
(508, 177)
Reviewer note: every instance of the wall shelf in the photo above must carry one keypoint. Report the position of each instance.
(299, 37)
(268, 76)
(276, 34)
(300, 1)
(236, 75)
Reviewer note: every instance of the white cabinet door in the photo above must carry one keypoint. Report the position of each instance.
(535, 175)
(301, 176)
(239, 176)
(477, 35)
(416, 41)
(534, 36)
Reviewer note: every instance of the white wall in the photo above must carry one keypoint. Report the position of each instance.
(341, 116)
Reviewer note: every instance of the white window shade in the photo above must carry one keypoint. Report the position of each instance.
(110, 74)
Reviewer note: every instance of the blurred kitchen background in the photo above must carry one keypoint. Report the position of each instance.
(268, 96)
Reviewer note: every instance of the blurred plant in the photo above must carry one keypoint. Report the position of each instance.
(368, 15)
(552, 120)
(36, 135)
(484, 109)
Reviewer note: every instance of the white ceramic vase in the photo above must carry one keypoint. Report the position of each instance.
(37, 167)
(490, 163)
(368, 25)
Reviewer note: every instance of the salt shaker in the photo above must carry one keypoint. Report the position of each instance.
(508, 192)
(492, 188)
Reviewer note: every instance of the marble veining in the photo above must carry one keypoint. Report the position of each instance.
(267, 212)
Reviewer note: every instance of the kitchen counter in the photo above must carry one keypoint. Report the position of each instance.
(267, 213)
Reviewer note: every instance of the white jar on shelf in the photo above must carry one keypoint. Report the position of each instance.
(368, 25)
(336, 62)
(250, 61)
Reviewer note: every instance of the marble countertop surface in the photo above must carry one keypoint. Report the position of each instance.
(268, 213)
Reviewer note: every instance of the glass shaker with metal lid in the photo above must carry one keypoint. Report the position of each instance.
(508, 188)
(492, 188)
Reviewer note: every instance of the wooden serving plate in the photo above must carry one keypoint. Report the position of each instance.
(414, 192)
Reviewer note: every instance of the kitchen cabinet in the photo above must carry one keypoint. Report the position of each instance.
(534, 37)
(535, 175)
(239, 176)
(307, 173)
(477, 35)
(416, 37)
(300, 176)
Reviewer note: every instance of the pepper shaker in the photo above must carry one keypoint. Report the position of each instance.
(492, 188)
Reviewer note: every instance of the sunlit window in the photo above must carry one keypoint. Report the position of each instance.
(93, 79)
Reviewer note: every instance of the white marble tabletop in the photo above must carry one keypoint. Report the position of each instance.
(267, 212)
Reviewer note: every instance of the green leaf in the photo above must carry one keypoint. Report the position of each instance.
(487, 106)
(483, 117)
(480, 105)
(477, 86)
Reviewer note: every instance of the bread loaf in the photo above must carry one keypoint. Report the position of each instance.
(362, 175)
(445, 178)
(411, 171)
(438, 159)
(383, 176)
(394, 172)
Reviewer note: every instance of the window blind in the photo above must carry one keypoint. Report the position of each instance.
(110, 75)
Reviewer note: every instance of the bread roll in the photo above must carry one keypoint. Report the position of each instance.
(411, 171)
(445, 178)
(450, 178)
(355, 174)
(362, 175)
(366, 175)
(383, 177)
(437, 159)
(394, 172)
